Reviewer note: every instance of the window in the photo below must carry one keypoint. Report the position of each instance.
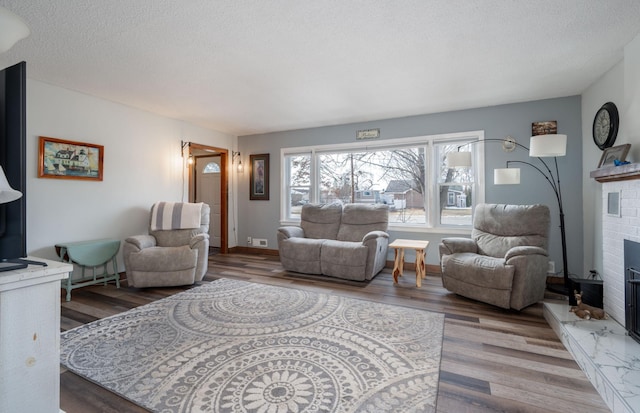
(455, 187)
(297, 184)
(211, 168)
(410, 175)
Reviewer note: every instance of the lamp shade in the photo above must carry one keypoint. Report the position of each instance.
(548, 145)
(7, 194)
(12, 29)
(506, 176)
(459, 159)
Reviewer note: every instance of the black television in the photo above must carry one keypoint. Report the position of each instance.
(13, 124)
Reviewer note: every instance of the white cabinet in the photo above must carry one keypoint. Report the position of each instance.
(30, 337)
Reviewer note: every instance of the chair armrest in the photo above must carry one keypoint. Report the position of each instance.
(374, 235)
(454, 245)
(141, 241)
(524, 250)
(291, 232)
(196, 239)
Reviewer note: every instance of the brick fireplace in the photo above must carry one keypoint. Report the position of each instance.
(603, 348)
(616, 229)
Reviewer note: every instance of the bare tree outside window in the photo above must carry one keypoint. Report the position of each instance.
(395, 177)
(299, 168)
(413, 179)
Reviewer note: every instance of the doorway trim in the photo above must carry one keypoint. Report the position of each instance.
(195, 150)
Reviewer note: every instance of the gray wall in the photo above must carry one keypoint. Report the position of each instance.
(260, 219)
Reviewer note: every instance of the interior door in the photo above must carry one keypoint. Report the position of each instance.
(208, 181)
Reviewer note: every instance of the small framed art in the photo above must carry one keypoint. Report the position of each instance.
(62, 159)
(259, 177)
(610, 155)
(613, 204)
(549, 127)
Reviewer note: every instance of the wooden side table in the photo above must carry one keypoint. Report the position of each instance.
(90, 254)
(399, 246)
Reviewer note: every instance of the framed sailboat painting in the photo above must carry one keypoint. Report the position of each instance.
(62, 159)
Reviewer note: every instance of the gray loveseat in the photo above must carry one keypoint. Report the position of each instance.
(505, 261)
(348, 242)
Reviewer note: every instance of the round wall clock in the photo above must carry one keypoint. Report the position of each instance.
(605, 125)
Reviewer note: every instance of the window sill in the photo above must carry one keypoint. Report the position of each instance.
(408, 228)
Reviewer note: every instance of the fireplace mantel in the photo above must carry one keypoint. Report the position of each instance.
(617, 173)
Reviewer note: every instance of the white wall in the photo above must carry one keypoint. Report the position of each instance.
(609, 88)
(620, 85)
(142, 165)
(631, 112)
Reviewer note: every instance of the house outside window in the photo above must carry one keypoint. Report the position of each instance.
(410, 175)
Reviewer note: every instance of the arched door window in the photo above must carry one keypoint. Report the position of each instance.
(211, 168)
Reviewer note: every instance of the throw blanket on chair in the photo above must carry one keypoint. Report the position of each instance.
(175, 215)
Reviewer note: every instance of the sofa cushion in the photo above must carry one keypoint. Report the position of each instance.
(360, 219)
(321, 221)
(487, 271)
(164, 259)
(498, 227)
(344, 259)
(301, 255)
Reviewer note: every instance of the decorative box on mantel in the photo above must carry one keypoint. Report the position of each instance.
(617, 173)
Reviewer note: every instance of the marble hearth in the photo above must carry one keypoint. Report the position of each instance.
(604, 351)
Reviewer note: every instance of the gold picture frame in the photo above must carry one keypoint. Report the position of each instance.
(63, 159)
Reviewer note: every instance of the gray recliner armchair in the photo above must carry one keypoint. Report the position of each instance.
(175, 252)
(505, 262)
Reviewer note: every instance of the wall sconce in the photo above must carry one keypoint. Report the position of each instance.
(186, 145)
(235, 155)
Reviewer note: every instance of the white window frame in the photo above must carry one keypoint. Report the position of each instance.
(432, 172)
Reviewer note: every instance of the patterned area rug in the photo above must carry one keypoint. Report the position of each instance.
(234, 346)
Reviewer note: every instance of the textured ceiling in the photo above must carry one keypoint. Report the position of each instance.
(251, 66)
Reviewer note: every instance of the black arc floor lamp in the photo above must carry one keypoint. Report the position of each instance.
(541, 146)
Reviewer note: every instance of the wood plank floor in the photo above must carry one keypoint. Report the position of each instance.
(493, 360)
